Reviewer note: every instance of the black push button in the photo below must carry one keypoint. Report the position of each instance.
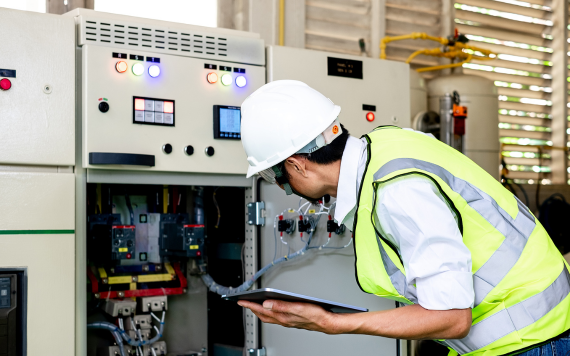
(103, 106)
(167, 148)
(210, 151)
(189, 150)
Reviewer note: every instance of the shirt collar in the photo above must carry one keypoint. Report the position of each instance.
(347, 180)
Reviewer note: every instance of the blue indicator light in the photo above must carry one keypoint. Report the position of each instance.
(241, 81)
(154, 71)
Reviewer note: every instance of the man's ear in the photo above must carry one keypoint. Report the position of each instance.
(296, 164)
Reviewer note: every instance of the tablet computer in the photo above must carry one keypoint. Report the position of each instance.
(261, 295)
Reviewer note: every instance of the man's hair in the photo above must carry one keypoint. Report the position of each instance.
(324, 155)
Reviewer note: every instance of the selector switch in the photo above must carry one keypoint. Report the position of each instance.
(189, 150)
(103, 106)
(210, 151)
(167, 148)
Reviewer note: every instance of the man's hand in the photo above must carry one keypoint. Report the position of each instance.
(411, 322)
(294, 315)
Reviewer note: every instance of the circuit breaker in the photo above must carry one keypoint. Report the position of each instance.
(109, 240)
(178, 238)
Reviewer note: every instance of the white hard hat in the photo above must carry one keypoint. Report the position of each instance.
(285, 117)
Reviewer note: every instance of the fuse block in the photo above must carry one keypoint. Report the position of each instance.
(285, 225)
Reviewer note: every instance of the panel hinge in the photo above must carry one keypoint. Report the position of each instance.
(256, 213)
(257, 352)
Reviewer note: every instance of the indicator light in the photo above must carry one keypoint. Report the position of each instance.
(139, 104)
(129, 256)
(154, 71)
(121, 66)
(138, 69)
(227, 79)
(241, 81)
(370, 116)
(169, 107)
(5, 84)
(212, 78)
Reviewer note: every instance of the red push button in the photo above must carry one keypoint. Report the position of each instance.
(5, 84)
(370, 116)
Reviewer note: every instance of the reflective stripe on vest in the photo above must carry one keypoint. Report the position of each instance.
(516, 231)
(397, 278)
(514, 318)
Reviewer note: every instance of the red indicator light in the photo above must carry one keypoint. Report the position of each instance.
(370, 116)
(121, 66)
(198, 253)
(139, 104)
(5, 84)
(169, 107)
(212, 78)
(129, 256)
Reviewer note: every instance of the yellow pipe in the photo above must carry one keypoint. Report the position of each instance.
(281, 22)
(445, 66)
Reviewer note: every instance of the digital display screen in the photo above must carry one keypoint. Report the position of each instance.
(227, 122)
(230, 120)
(341, 67)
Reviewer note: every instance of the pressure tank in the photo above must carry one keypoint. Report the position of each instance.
(418, 95)
(479, 95)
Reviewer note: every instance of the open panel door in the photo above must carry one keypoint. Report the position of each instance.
(326, 273)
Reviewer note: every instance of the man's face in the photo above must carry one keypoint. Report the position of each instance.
(302, 177)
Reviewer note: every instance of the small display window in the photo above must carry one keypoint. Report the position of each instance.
(227, 122)
(152, 111)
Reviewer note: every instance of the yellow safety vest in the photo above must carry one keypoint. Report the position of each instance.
(521, 280)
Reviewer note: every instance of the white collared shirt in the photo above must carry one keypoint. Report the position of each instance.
(413, 215)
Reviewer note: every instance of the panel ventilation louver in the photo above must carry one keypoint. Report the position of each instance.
(153, 38)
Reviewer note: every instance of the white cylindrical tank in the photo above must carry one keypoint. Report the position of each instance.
(481, 141)
(418, 95)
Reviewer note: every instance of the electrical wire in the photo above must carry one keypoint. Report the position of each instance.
(217, 207)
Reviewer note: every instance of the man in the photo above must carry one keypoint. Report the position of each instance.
(432, 230)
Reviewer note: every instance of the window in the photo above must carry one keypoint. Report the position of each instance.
(519, 32)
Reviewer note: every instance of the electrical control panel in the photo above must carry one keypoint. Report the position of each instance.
(371, 92)
(150, 90)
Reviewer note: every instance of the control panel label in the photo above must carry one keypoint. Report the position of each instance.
(341, 67)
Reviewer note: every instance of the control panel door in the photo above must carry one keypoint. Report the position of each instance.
(160, 112)
(327, 273)
(37, 89)
(37, 234)
(371, 92)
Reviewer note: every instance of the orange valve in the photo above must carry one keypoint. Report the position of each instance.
(212, 78)
(370, 116)
(121, 66)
